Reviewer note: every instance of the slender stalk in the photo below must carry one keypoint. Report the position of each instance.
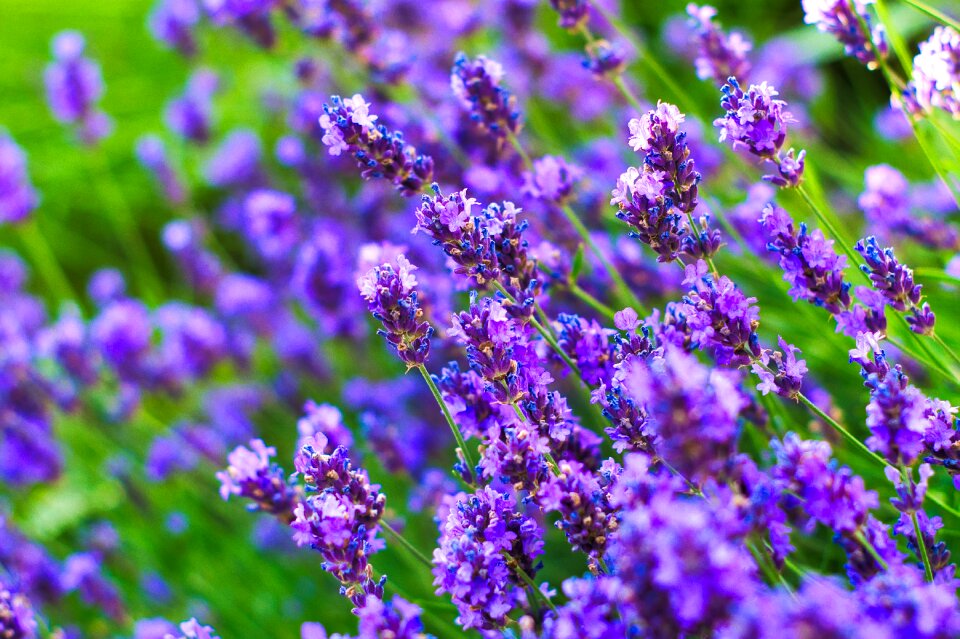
(627, 93)
(128, 232)
(934, 13)
(921, 547)
(946, 347)
(620, 284)
(590, 300)
(522, 152)
(525, 578)
(871, 550)
(45, 260)
(645, 57)
(850, 437)
(419, 556)
(457, 435)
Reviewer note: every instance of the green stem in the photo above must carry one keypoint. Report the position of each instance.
(627, 94)
(922, 547)
(621, 285)
(934, 13)
(128, 233)
(870, 549)
(419, 556)
(457, 435)
(525, 578)
(590, 300)
(946, 347)
(522, 152)
(45, 260)
(840, 429)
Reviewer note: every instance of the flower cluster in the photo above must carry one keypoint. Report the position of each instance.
(253, 476)
(486, 548)
(74, 86)
(936, 72)
(348, 126)
(849, 22)
(476, 84)
(756, 121)
(658, 200)
(719, 55)
(18, 199)
(392, 300)
(895, 282)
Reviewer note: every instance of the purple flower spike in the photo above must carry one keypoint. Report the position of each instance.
(391, 298)
(573, 13)
(348, 126)
(605, 59)
(250, 16)
(340, 517)
(193, 629)
(253, 476)
(551, 180)
(936, 72)
(810, 264)
(189, 115)
(74, 86)
(757, 122)
(17, 196)
(152, 154)
(719, 55)
(845, 20)
(895, 281)
(484, 540)
(476, 84)
(16, 614)
(173, 22)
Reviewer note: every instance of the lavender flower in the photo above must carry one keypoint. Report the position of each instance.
(691, 409)
(189, 115)
(392, 300)
(581, 497)
(476, 84)
(886, 203)
(810, 265)
(339, 517)
(484, 541)
(895, 282)
(605, 59)
(74, 86)
(597, 609)
(551, 180)
(271, 223)
(650, 213)
(653, 199)
(250, 16)
(173, 22)
(153, 156)
(573, 13)
(348, 126)
(18, 199)
(719, 55)
(666, 156)
(193, 629)
(682, 566)
(16, 614)
(849, 22)
(253, 476)
(757, 122)
(936, 72)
